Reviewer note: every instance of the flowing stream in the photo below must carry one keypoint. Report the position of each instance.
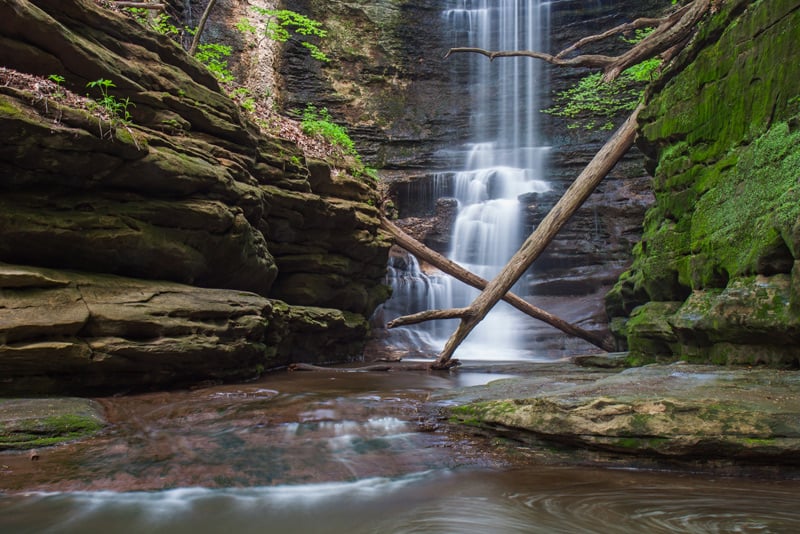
(347, 453)
(361, 452)
(504, 160)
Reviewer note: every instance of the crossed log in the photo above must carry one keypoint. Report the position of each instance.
(498, 289)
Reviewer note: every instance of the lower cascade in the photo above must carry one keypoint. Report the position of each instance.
(504, 160)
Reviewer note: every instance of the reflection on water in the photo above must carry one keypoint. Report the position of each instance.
(540, 500)
(345, 453)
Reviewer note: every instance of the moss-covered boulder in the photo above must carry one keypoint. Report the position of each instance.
(722, 132)
(664, 413)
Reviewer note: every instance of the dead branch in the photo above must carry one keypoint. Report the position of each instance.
(591, 60)
(545, 232)
(670, 31)
(141, 5)
(623, 28)
(200, 27)
(363, 369)
(661, 39)
(428, 315)
(459, 273)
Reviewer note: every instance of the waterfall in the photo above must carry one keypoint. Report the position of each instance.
(504, 159)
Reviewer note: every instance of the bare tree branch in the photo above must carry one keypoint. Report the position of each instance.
(660, 40)
(200, 27)
(674, 29)
(428, 315)
(622, 28)
(578, 61)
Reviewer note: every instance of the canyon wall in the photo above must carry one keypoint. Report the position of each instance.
(182, 245)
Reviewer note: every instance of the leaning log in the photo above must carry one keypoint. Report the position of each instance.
(140, 5)
(447, 266)
(545, 232)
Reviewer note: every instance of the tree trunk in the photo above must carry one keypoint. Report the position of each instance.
(200, 27)
(573, 198)
(459, 273)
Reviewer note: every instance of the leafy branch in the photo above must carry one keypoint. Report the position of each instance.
(280, 24)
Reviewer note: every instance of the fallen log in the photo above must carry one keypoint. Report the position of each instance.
(141, 5)
(545, 232)
(447, 266)
(363, 369)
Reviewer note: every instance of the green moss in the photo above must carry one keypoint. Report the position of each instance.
(723, 128)
(41, 432)
(639, 423)
(743, 218)
(7, 108)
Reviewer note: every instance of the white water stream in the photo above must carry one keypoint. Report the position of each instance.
(505, 159)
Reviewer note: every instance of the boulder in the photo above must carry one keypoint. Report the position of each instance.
(661, 413)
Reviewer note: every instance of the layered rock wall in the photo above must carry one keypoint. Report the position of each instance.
(716, 273)
(189, 192)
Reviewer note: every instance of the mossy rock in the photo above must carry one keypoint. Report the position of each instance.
(34, 423)
(723, 124)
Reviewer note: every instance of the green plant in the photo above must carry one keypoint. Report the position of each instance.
(160, 23)
(280, 24)
(242, 96)
(117, 109)
(213, 55)
(58, 79)
(592, 101)
(318, 122)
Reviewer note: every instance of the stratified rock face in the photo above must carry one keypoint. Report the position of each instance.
(189, 191)
(716, 274)
(72, 332)
(387, 79)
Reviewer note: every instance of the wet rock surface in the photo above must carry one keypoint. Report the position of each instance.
(35, 423)
(668, 415)
(310, 427)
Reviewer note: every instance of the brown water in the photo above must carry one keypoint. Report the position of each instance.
(346, 453)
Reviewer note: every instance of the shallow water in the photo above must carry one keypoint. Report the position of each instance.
(349, 453)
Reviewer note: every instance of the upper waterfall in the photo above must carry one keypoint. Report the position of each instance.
(503, 159)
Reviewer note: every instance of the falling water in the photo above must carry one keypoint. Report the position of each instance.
(504, 159)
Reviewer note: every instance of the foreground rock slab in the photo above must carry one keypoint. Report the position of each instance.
(664, 412)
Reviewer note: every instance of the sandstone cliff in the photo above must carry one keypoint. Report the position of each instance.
(202, 219)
